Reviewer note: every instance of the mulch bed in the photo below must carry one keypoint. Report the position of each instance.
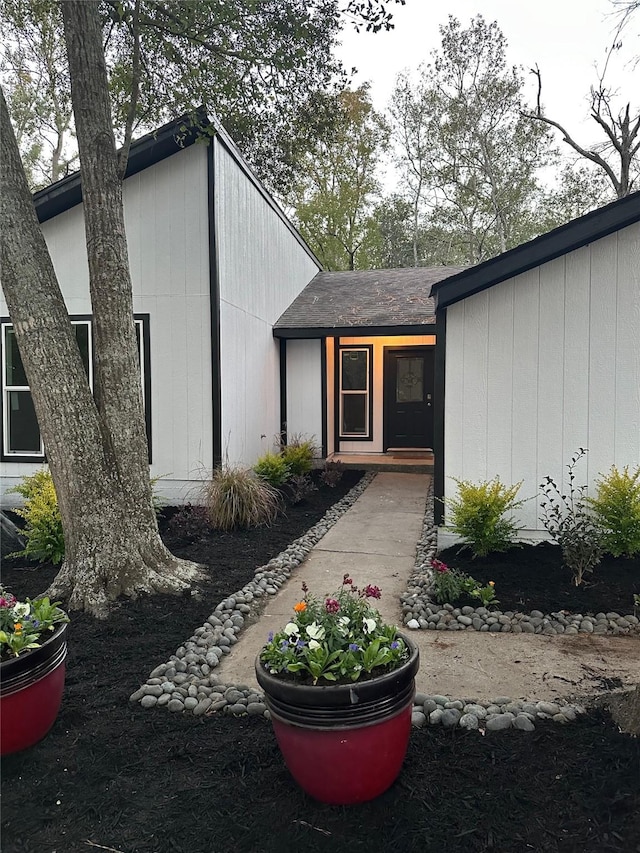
(113, 776)
(532, 577)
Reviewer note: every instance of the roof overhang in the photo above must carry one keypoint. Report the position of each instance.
(567, 238)
(354, 331)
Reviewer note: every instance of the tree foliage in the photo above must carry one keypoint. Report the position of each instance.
(470, 159)
(333, 199)
(266, 69)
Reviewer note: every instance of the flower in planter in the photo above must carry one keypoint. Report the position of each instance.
(24, 624)
(340, 637)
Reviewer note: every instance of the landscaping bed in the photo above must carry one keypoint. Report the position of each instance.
(111, 775)
(532, 577)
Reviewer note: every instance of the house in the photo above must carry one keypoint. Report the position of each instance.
(538, 354)
(505, 368)
(357, 360)
(214, 263)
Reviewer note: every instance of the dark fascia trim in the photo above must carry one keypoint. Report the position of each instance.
(369, 348)
(146, 151)
(214, 307)
(354, 331)
(324, 392)
(283, 391)
(439, 392)
(567, 238)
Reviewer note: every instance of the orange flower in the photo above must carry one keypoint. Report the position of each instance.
(18, 627)
(300, 607)
(492, 583)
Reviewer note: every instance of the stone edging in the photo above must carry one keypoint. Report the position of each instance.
(186, 682)
(421, 612)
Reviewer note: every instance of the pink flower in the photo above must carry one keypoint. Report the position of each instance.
(346, 580)
(439, 566)
(331, 605)
(372, 591)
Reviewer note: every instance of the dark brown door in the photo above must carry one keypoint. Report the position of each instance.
(408, 397)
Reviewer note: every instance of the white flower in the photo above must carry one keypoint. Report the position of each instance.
(21, 609)
(344, 620)
(291, 628)
(314, 644)
(315, 631)
(368, 625)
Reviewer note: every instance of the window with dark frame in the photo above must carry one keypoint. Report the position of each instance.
(355, 392)
(20, 432)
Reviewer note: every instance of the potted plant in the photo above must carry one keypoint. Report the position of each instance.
(33, 648)
(339, 685)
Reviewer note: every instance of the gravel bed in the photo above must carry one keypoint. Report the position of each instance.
(187, 683)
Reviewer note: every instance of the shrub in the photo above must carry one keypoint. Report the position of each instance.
(298, 454)
(477, 514)
(300, 487)
(43, 527)
(617, 510)
(332, 473)
(569, 523)
(273, 469)
(237, 498)
(451, 584)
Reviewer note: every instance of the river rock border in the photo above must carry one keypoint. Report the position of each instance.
(421, 612)
(186, 682)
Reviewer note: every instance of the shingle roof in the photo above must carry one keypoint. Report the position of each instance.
(365, 298)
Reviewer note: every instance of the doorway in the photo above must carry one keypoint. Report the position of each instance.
(408, 397)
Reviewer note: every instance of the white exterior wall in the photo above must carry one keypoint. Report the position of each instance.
(262, 268)
(167, 231)
(542, 364)
(304, 389)
(379, 344)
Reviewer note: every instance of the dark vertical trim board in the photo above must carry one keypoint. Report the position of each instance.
(283, 391)
(439, 394)
(214, 304)
(324, 391)
(336, 395)
(146, 354)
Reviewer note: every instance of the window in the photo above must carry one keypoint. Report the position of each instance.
(20, 432)
(355, 392)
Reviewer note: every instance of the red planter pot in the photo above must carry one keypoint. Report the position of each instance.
(31, 688)
(343, 743)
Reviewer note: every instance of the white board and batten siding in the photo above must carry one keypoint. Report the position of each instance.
(542, 364)
(304, 389)
(263, 266)
(167, 232)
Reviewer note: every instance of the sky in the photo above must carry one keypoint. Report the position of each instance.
(565, 38)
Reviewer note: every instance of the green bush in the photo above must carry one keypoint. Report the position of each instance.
(273, 469)
(477, 514)
(43, 527)
(236, 498)
(298, 454)
(567, 519)
(451, 584)
(617, 510)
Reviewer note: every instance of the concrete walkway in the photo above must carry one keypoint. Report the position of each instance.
(375, 542)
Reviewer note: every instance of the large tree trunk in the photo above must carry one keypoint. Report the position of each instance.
(96, 448)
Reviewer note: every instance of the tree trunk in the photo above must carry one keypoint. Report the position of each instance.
(96, 448)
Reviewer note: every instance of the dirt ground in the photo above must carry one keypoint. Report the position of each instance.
(112, 776)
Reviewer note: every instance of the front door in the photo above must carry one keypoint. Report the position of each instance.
(408, 397)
